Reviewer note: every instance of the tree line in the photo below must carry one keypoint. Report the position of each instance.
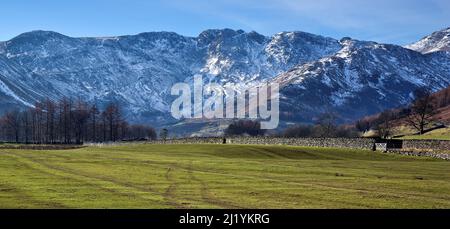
(326, 126)
(244, 128)
(69, 121)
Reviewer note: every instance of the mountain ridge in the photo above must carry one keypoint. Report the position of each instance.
(363, 77)
(138, 70)
(436, 42)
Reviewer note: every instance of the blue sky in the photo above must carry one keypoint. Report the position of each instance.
(388, 21)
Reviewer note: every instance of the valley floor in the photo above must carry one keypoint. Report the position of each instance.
(219, 176)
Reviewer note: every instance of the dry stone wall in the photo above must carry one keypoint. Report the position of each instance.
(426, 145)
(190, 141)
(355, 143)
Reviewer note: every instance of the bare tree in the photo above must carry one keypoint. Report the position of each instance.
(66, 119)
(38, 123)
(80, 118)
(326, 125)
(363, 125)
(385, 124)
(164, 134)
(12, 125)
(93, 114)
(25, 119)
(113, 118)
(422, 110)
(50, 109)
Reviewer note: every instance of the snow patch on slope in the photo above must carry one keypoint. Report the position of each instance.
(5, 89)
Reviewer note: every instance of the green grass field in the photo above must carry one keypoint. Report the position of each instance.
(219, 176)
(439, 134)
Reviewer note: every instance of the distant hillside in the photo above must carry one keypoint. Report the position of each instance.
(442, 99)
(444, 115)
(400, 126)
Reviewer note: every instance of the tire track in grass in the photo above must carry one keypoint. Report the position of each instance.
(293, 183)
(207, 196)
(263, 177)
(267, 177)
(71, 173)
(169, 194)
(70, 177)
(25, 198)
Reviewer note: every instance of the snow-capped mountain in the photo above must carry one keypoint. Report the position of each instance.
(438, 41)
(139, 70)
(239, 57)
(353, 78)
(361, 78)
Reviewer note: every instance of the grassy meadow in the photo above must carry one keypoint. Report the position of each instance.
(219, 176)
(439, 134)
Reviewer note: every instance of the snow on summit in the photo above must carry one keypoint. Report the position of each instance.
(438, 41)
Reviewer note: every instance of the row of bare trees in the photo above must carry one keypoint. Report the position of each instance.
(326, 126)
(69, 121)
